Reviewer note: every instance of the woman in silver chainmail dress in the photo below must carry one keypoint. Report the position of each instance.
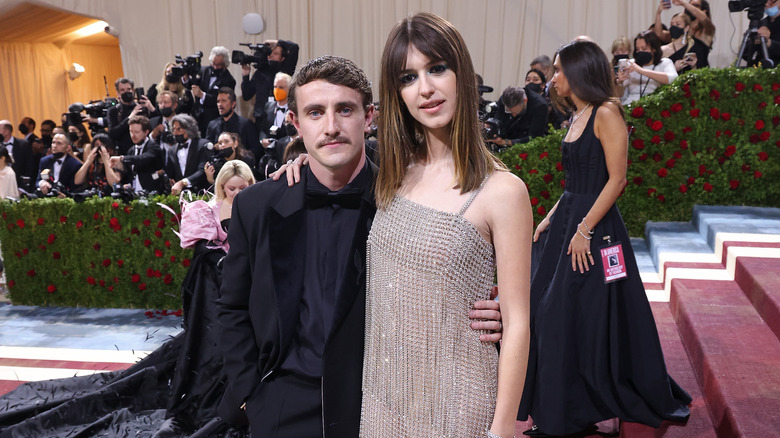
(448, 215)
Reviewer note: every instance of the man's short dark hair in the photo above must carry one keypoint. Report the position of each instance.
(512, 96)
(48, 122)
(229, 91)
(30, 121)
(123, 81)
(188, 124)
(140, 120)
(333, 69)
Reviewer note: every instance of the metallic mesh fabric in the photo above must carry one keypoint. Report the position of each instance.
(426, 373)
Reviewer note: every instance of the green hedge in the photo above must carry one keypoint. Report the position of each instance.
(711, 137)
(99, 253)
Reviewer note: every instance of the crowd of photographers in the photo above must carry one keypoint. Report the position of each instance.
(176, 135)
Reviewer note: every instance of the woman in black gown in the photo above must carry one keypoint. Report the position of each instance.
(595, 352)
(173, 392)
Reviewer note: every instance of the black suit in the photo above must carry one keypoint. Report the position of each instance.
(260, 302)
(24, 164)
(145, 166)
(267, 119)
(118, 128)
(239, 125)
(69, 168)
(207, 111)
(198, 153)
(530, 123)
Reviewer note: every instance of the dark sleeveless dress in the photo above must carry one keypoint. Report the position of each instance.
(595, 352)
(701, 50)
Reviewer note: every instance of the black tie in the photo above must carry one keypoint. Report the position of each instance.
(59, 161)
(346, 198)
(138, 149)
(182, 146)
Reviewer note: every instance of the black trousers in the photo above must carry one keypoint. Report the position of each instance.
(287, 406)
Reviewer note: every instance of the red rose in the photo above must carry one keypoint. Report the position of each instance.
(775, 86)
(185, 262)
(656, 139)
(762, 105)
(739, 86)
(693, 102)
(147, 222)
(517, 167)
(758, 87)
(20, 223)
(41, 221)
(51, 288)
(676, 108)
(669, 136)
(776, 119)
(116, 280)
(643, 157)
(115, 205)
(548, 178)
(135, 278)
(657, 125)
(523, 156)
(686, 87)
(649, 122)
(754, 138)
(702, 169)
(687, 129)
(714, 113)
(25, 251)
(638, 143)
(543, 155)
(63, 219)
(715, 94)
(657, 157)
(545, 194)
(670, 163)
(733, 184)
(717, 134)
(662, 172)
(683, 188)
(120, 263)
(563, 183)
(725, 116)
(777, 100)
(159, 214)
(96, 247)
(541, 210)
(102, 283)
(695, 112)
(91, 280)
(79, 224)
(764, 136)
(730, 150)
(167, 244)
(135, 230)
(147, 242)
(666, 114)
(149, 272)
(534, 201)
(722, 160)
(142, 286)
(759, 124)
(757, 174)
(763, 156)
(684, 144)
(662, 198)
(533, 171)
(728, 133)
(31, 273)
(637, 112)
(106, 262)
(638, 180)
(111, 288)
(173, 259)
(161, 224)
(158, 234)
(677, 155)
(167, 279)
(707, 187)
(52, 237)
(11, 284)
(158, 253)
(559, 166)
(96, 216)
(651, 191)
(56, 255)
(745, 167)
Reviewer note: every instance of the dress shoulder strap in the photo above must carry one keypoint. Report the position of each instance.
(473, 195)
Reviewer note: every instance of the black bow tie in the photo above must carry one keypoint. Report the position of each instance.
(345, 198)
(60, 161)
(10, 143)
(181, 146)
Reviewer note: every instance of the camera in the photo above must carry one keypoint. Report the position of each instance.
(259, 54)
(741, 5)
(95, 109)
(286, 130)
(126, 194)
(167, 137)
(79, 197)
(188, 66)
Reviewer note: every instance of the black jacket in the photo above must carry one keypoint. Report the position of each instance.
(207, 111)
(68, 171)
(198, 153)
(530, 123)
(145, 166)
(262, 81)
(24, 165)
(241, 126)
(260, 299)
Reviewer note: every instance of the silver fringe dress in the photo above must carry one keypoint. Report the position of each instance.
(425, 372)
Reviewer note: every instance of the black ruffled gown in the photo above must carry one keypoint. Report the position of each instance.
(595, 352)
(173, 392)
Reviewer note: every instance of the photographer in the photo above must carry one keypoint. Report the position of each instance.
(521, 115)
(96, 172)
(185, 164)
(162, 131)
(140, 166)
(769, 29)
(229, 121)
(227, 148)
(57, 169)
(119, 115)
(213, 77)
(172, 82)
(272, 122)
(275, 56)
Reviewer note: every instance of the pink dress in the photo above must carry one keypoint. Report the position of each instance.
(200, 221)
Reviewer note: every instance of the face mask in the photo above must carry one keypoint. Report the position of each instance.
(536, 88)
(58, 155)
(676, 32)
(280, 94)
(166, 112)
(23, 129)
(774, 10)
(223, 153)
(180, 138)
(643, 58)
(73, 136)
(171, 79)
(127, 97)
(218, 72)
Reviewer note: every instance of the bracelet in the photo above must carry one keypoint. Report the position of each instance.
(586, 226)
(582, 234)
(492, 435)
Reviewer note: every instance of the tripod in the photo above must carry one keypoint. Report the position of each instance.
(751, 34)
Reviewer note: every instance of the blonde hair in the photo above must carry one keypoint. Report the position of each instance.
(229, 170)
(401, 138)
(175, 87)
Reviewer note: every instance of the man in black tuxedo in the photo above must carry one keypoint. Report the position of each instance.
(213, 78)
(119, 115)
(162, 125)
(229, 121)
(22, 155)
(142, 162)
(184, 163)
(283, 58)
(27, 129)
(522, 116)
(292, 302)
(59, 167)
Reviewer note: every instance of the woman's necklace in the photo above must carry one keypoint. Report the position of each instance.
(577, 117)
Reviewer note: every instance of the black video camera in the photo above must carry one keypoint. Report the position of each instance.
(755, 8)
(95, 108)
(188, 66)
(259, 54)
(126, 194)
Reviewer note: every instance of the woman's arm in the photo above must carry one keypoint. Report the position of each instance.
(510, 222)
(610, 128)
(706, 26)
(81, 175)
(663, 76)
(658, 26)
(545, 222)
(112, 176)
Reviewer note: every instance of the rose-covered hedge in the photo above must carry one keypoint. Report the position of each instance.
(99, 253)
(711, 137)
